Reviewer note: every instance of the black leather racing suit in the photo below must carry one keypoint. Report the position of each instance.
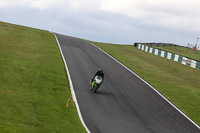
(98, 73)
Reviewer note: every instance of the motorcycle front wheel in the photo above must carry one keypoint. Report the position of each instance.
(95, 88)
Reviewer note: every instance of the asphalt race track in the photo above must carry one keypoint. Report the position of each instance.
(124, 103)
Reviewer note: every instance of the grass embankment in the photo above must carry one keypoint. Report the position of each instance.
(34, 88)
(187, 52)
(179, 83)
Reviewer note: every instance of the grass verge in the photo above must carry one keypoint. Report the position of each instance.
(34, 88)
(178, 83)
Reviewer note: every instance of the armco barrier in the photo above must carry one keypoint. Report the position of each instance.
(178, 58)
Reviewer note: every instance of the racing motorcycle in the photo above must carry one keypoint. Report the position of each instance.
(96, 83)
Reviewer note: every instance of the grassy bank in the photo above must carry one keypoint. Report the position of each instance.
(34, 88)
(179, 83)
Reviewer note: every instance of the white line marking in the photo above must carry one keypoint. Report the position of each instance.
(149, 86)
(71, 86)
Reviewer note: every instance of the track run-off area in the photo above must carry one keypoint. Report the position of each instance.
(124, 103)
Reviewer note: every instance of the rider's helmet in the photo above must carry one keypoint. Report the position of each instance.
(101, 70)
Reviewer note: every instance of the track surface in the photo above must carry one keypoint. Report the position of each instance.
(124, 103)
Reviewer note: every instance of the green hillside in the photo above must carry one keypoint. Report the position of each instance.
(34, 88)
(178, 83)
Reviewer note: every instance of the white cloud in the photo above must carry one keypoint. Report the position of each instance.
(46, 4)
(179, 14)
(108, 18)
(13, 3)
(74, 5)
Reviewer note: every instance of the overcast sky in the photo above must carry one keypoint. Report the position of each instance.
(112, 21)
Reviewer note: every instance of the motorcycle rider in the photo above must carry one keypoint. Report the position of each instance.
(98, 73)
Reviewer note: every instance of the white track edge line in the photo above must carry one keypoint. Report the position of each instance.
(71, 86)
(148, 85)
